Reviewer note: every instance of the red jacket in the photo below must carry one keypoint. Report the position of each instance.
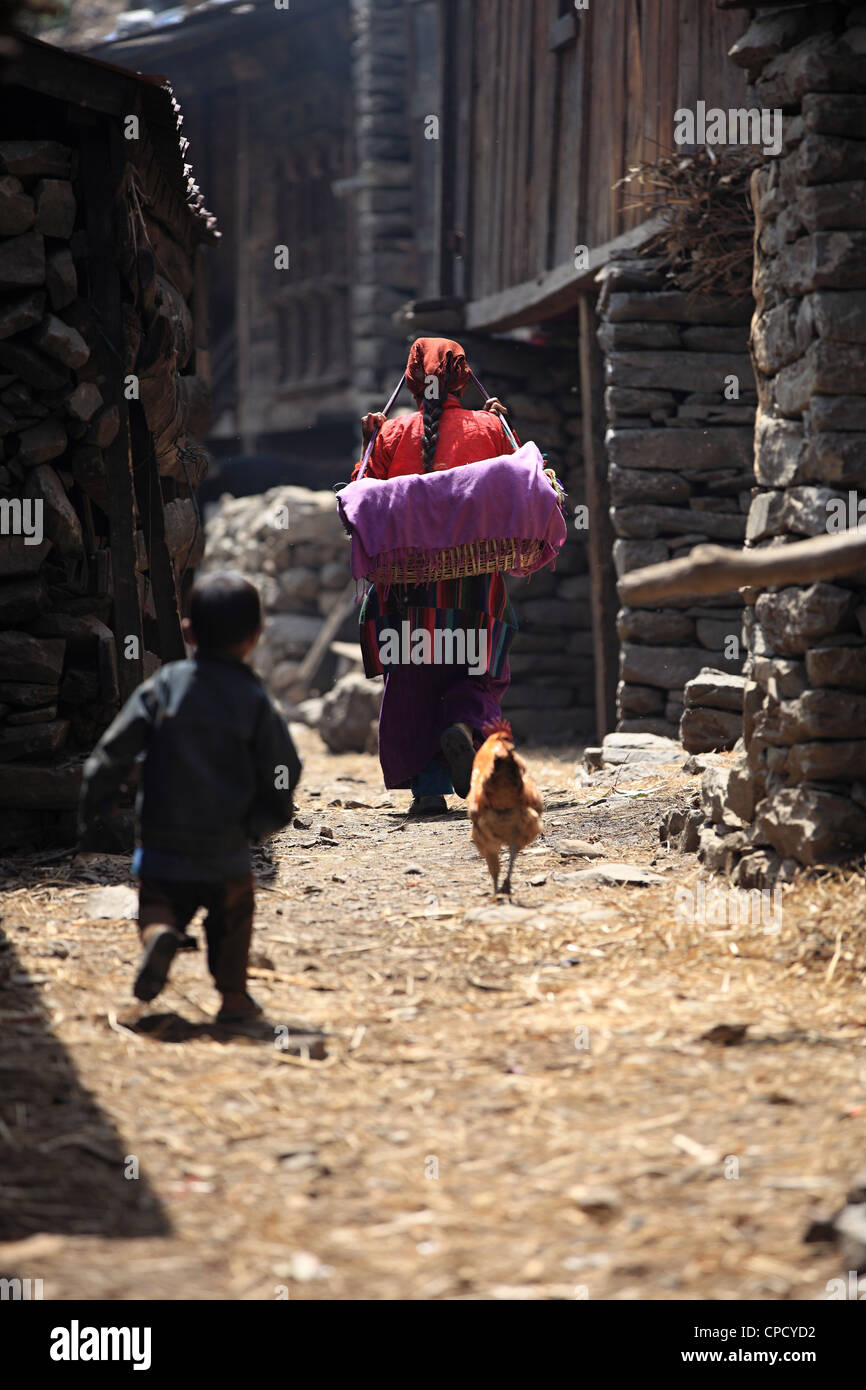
(465, 436)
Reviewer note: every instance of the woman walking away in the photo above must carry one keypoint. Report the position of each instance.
(432, 715)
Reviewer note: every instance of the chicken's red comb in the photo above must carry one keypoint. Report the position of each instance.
(498, 726)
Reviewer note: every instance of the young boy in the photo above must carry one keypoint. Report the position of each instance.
(219, 771)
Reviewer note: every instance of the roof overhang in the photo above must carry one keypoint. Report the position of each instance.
(554, 292)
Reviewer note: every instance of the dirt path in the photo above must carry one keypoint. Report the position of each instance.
(515, 1102)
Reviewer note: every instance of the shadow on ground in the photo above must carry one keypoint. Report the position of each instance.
(62, 1161)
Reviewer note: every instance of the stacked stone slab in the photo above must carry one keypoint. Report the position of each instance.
(713, 714)
(680, 400)
(800, 789)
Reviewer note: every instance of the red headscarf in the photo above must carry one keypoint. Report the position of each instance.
(439, 357)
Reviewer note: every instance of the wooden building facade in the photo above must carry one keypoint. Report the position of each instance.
(544, 108)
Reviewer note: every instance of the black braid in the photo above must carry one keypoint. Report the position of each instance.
(432, 413)
(431, 410)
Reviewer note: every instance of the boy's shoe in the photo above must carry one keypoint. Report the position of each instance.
(428, 806)
(459, 750)
(240, 1013)
(154, 964)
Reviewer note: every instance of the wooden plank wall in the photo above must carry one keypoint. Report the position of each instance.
(549, 130)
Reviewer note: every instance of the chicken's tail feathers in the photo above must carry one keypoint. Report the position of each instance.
(497, 726)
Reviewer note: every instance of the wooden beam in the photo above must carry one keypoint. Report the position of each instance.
(556, 290)
(600, 537)
(309, 667)
(101, 167)
(70, 77)
(716, 569)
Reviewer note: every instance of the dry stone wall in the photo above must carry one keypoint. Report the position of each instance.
(680, 400)
(798, 793)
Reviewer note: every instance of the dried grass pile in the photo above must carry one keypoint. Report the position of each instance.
(706, 244)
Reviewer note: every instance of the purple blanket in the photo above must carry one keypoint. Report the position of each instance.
(500, 499)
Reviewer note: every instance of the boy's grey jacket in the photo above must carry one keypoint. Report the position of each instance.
(214, 749)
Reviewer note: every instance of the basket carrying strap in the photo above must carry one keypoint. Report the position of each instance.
(369, 449)
(503, 422)
(395, 393)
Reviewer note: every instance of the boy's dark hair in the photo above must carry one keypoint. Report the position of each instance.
(224, 610)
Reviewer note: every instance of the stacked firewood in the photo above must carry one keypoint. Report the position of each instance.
(64, 424)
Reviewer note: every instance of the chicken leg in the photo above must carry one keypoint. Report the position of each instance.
(506, 882)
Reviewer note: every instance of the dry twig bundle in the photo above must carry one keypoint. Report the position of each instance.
(706, 247)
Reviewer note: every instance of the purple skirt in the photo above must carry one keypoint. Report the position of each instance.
(419, 704)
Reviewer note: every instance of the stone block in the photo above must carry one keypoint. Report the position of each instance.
(779, 446)
(658, 627)
(55, 208)
(795, 619)
(22, 261)
(635, 555)
(837, 666)
(812, 826)
(684, 371)
(692, 451)
(667, 667)
(709, 730)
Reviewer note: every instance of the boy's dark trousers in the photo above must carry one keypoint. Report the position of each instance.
(230, 904)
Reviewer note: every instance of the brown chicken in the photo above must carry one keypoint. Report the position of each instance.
(504, 805)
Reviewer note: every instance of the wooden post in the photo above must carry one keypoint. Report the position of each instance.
(244, 272)
(101, 170)
(602, 577)
(463, 98)
(148, 491)
(447, 19)
(201, 319)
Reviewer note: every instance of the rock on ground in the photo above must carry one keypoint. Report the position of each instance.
(349, 714)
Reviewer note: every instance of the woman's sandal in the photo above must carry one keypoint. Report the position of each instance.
(428, 806)
(459, 752)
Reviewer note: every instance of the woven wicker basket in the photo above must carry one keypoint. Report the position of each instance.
(460, 562)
